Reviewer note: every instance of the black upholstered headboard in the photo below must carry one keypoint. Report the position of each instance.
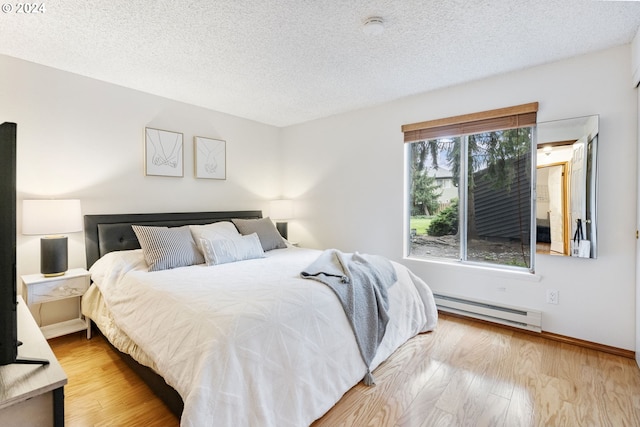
(113, 232)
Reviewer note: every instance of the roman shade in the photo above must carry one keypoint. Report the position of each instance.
(485, 121)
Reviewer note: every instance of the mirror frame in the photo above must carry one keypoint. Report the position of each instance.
(567, 133)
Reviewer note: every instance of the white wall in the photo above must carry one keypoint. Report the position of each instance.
(635, 59)
(82, 138)
(638, 229)
(346, 173)
(635, 68)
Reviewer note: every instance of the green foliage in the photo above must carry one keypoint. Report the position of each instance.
(424, 193)
(446, 222)
(424, 188)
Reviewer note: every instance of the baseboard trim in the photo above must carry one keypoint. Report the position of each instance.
(630, 354)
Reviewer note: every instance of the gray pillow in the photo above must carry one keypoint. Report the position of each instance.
(221, 251)
(267, 232)
(167, 247)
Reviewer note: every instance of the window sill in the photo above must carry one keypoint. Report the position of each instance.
(520, 274)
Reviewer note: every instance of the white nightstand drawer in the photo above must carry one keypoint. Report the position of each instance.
(55, 289)
(37, 289)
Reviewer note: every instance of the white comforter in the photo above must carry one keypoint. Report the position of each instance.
(251, 343)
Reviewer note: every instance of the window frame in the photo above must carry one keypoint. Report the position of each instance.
(520, 116)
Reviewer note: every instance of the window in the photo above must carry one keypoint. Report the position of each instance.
(469, 187)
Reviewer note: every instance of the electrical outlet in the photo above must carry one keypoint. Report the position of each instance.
(553, 296)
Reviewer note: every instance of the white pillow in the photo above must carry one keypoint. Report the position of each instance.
(222, 251)
(167, 247)
(216, 230)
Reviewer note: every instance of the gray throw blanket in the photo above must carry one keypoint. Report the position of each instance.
(360, 282)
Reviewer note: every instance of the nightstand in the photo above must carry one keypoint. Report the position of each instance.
(37, 289)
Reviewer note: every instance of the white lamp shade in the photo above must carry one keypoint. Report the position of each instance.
(281, 209)
(47, 217)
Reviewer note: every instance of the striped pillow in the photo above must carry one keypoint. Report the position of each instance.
(167, 247)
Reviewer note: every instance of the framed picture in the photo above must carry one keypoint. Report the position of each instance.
(211, 158)
(163, 152)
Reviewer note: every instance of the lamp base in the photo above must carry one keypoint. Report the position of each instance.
(53, 256)
(62, 273)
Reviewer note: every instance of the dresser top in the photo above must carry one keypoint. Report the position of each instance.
(22, 382)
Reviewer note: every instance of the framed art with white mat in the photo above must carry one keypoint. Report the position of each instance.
(163, 152)
(210, 158)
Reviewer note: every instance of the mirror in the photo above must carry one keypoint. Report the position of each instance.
(566, 183)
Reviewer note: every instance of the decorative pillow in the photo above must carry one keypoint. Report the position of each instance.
(221, 251)
(216, 230)
(267, 232)
(167, 247)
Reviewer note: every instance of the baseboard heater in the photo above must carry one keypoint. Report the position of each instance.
(517, 317)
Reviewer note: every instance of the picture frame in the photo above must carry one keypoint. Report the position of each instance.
(210, 158)
(163, 153)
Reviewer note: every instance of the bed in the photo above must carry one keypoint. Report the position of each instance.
(248, 342)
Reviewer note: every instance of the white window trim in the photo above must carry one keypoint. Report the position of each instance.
(462, 262)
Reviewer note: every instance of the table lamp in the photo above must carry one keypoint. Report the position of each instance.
(51, 218)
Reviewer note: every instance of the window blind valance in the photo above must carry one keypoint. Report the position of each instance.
(485, 121)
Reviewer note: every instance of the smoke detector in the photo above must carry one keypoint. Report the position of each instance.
(373, 25)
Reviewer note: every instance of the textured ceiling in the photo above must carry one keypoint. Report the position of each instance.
(283, 62)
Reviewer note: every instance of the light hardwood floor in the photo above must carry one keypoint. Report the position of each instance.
(463, 374)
